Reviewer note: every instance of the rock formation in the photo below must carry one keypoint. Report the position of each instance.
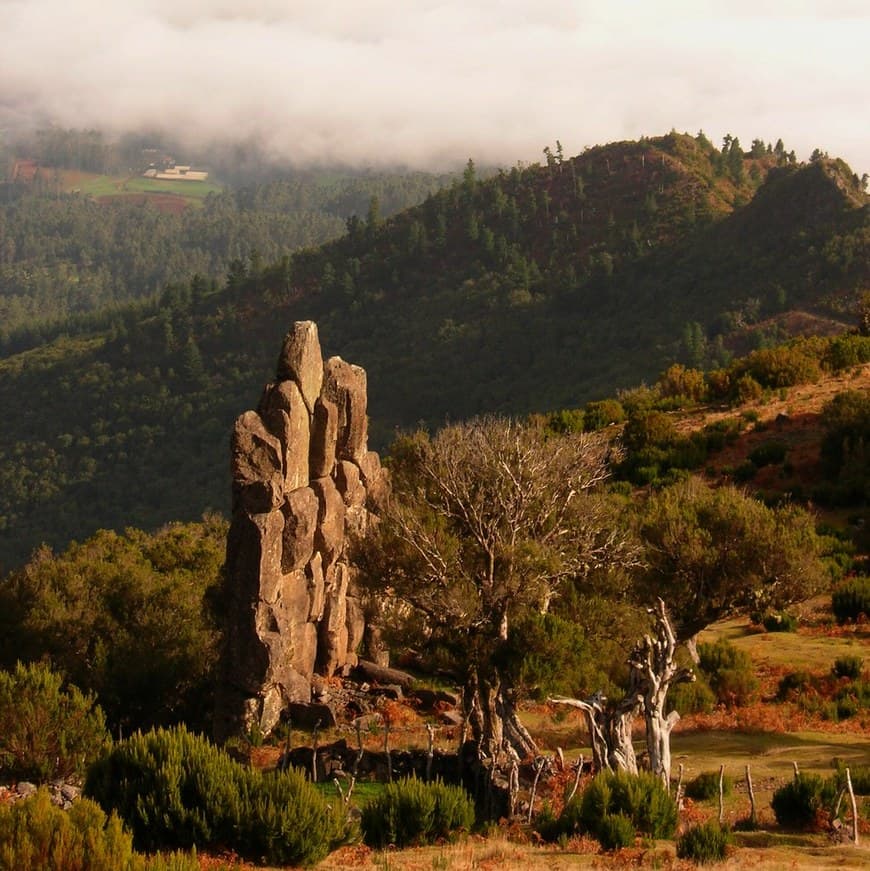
(303, 481)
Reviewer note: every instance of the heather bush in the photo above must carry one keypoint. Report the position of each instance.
(848, 666)
(35, 835)
(615, 831)
(705, 843)
(46, 731)
(859, 774)
(729, 672)
(706, 786)
(602, 413)
(612, 808)
(641, 797)
(793, 685)
(768, 453)
(851, 600)
(783, 366)
(175, 789)
(845, 352)
(691, 698)
(779, 621)
(410, 812)
(800, 802)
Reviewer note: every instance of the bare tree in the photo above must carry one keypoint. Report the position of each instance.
(653, 671)
(488, 518)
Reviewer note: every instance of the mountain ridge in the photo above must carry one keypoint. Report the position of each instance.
(539, 288)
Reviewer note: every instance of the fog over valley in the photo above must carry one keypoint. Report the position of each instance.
(428, 84)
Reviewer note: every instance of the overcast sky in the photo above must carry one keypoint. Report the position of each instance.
(432, 82)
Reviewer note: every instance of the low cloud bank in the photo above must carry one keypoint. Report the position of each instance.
(429, 84)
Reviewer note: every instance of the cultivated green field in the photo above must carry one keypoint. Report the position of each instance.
(108, 186)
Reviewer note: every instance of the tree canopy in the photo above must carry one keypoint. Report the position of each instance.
(713, 551)
(487, 519)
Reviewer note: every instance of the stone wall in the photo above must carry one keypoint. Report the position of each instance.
(304, 482)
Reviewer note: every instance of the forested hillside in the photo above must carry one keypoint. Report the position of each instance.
(66, 255)
(539, 288)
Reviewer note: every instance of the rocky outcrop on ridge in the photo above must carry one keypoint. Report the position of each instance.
(304, 481)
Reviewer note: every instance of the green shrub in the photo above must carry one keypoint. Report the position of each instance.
(747, 389)
(705, 843)
(569, 823)
(641, 797)
(856, 693)
(412, 812)
(800, 802)
(783, 366)
(851, 600)
(603, 413)
(744, 472)
(845, 446)
(848, 666)
(691, 698)
(859, 774)
(845, 352)
(794, 684)
(46, 732)
(125, 616)
(729, 672)
(37, 835)
(768, 454)
(565, 420)
(780, 622)
(615, 831)
(175, 789)
(546, 822)
(706, 786)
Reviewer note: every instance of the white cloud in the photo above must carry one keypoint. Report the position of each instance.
(421, 81)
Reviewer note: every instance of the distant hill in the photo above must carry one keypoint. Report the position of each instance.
(538, 288)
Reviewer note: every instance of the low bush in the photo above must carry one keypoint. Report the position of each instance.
(602, 413)
(37, 835)
(859, 774)
(706, 786)
(801, 803)
(780, 622)
(852, 698)
(744, 472)
(616, 831)
(46, 731)
(705, 843)
(411, 812)
(851, 600)
(691, 698)
(175, 789)
(769, 453)
(848, 666)
(793, 685)
(641, 797)
(729, 672)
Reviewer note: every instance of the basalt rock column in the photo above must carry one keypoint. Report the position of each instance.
(303, 481)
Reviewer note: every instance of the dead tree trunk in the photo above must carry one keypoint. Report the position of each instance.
(654, 672)
(498, 732)
(609, 730)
